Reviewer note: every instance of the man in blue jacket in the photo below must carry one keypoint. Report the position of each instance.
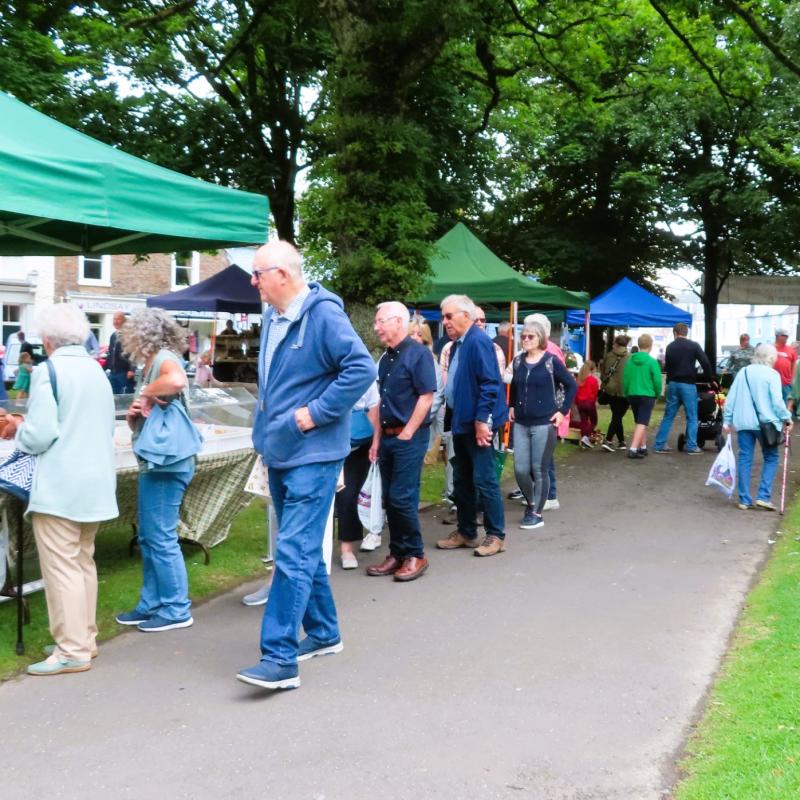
(476, 395)
(312, 369)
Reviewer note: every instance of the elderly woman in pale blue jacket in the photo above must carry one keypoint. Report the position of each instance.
(754, 398)
(74, 482)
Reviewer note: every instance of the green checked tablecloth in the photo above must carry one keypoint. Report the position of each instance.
(214, 498)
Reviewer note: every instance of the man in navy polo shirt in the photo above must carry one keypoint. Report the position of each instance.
(407, 381)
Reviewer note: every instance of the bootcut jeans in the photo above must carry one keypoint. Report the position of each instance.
(475, 473)
(744, 466)
(165, 585)
(679, 394)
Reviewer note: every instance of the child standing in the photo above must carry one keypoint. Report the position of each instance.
(641, 385)
(586, 402)
(23, 382)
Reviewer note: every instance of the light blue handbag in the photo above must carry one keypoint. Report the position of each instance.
(167, 436)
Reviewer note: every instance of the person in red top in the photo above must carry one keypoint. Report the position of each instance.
(785, 362)
(586, 402)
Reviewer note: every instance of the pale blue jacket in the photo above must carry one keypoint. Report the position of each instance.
(765, 390)
(75, 476)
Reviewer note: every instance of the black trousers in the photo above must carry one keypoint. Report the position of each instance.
(356, 467)
(618, 406)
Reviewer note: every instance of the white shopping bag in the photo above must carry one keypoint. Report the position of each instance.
(723, 470)
(370, 501)
(257, 482)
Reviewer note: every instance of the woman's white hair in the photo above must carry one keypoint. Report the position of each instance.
(542, 320)
(62, 324)
(765, 354)
(534, 326)
(147, 331)
(462, 303)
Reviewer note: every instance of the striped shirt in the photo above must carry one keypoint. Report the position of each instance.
(279, 325)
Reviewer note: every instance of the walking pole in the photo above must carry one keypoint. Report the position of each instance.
(785, 470)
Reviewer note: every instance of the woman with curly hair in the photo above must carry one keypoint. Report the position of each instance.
(154, 339)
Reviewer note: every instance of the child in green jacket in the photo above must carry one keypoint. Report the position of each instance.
(641, 385)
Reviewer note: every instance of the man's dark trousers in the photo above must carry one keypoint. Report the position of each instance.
(401, 466)
(475, 470)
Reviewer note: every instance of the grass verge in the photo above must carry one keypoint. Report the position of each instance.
(747, 746)
(234, 561)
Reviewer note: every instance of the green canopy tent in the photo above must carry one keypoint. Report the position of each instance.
(64, 193)
(463, 264)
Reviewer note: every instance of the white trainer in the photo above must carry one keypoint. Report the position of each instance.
(349, 561)
(551, 505)
(258, 598)
(372, 541)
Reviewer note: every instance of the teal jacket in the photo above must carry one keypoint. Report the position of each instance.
(75, 476)
(642, 376)
(764, 393)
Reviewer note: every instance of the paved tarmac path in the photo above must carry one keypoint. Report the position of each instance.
(569, 668)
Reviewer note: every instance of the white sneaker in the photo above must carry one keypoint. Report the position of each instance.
(551, 505)
(372, 541)
(258, 598)
(349, 561)
(586, 443)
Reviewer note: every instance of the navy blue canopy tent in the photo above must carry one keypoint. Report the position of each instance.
(229, 290)
(628, 305)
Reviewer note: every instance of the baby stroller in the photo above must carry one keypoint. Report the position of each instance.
(710, 402)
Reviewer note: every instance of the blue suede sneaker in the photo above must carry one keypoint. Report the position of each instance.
(531, 519)
(309, 648)
(269, 675)
(158, 623)
(132, 618)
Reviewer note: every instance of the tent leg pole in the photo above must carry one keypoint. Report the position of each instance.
(587, 342)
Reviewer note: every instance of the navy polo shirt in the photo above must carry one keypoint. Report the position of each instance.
(404, 373)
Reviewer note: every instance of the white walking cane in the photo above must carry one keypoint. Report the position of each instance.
(787, 439)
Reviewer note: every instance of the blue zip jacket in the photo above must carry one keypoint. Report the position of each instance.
(479, 391)
(321, 363)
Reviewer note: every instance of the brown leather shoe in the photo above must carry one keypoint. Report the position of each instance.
(455, 540)
(389, 566)
(412, 568)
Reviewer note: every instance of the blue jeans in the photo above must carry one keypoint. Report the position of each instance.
(401, 467)
(744, 466)
(475, 471)
(552, 492)
(786, 391)
(533, 457)
(300, 591)
(120, 383)
(679, 394)
(165, 587)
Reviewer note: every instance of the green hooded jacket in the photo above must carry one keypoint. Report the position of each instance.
(642, 376)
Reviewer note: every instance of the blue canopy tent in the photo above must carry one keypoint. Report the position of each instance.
(229, 290)
(628, 305)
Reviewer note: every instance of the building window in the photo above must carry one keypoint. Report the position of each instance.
(185, 269)
(94, 270)
(10, 322)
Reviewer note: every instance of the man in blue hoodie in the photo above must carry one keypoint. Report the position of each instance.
(312, 369)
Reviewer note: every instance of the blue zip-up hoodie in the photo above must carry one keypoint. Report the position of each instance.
(321, 363)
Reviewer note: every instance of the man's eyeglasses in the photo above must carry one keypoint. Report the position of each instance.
(450, 314)
(383, 321)
(482, 320)
(257, 273)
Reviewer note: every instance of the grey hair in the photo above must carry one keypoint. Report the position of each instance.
(542, 320)
(280, 254)
(62, 324)
(396, 309)
(462, 303)
(147, 331)
(765, 354)
(534, 326)
(503, 327)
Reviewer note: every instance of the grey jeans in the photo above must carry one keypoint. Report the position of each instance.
(533, 450)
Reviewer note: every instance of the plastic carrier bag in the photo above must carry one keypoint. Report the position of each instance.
(370, 501)
(723, 470)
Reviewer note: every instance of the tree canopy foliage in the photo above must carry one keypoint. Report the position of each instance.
(582, 140)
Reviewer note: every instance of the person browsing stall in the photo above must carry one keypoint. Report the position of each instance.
(312, 369)
(407, 381)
